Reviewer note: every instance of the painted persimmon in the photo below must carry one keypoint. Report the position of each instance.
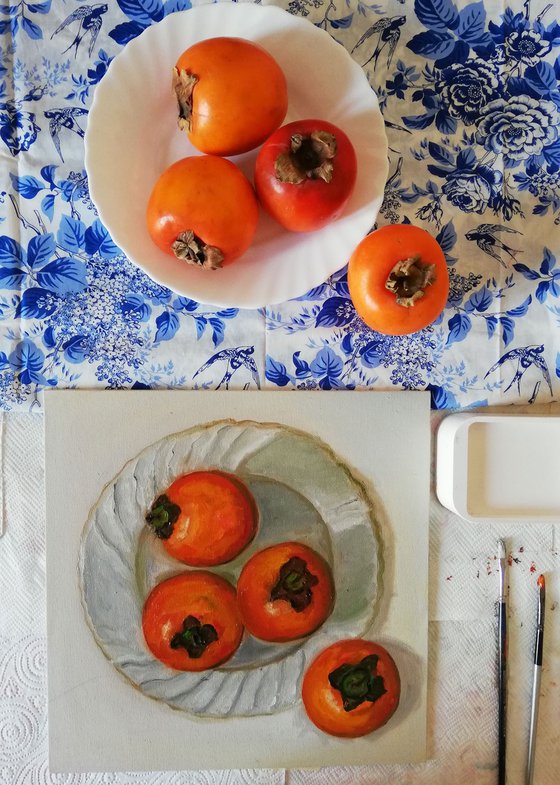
(398, 279)
(203, 211)
(305, 174)
(204, 518)
(191, 622)
(351, 688)
(231, 95)
(285, 592)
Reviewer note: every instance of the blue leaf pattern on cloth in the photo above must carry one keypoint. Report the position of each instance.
(27, 362)
(438, 15)
(470, 95)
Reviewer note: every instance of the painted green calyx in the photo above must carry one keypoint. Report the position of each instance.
(194, 637)
(162, 516)
(294, 584)
(358, 683)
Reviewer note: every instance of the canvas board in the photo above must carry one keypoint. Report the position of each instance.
(99, 720)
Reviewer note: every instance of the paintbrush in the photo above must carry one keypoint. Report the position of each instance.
(537, 668)
(502, 664)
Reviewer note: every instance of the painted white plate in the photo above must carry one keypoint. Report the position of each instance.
(132, 136)
(312, 497)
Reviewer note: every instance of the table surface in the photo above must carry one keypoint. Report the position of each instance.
(469, 93)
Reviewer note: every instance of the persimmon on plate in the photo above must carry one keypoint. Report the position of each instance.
(203, 211)
(305, 174)
(398, 279)
(204, 518)
(191, 622)
(285, 592)
(351, 688)
(231, 94)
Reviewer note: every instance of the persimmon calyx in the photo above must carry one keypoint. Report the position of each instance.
(183, 85)
(358, 683)
(162, 516)
(189, 247)
(409, 279)
(294, 584)
(194, 637)
(311, 157)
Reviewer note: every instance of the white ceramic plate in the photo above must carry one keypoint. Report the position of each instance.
(132, 137)
(313, 498)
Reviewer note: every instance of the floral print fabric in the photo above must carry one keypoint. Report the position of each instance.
(470, 97)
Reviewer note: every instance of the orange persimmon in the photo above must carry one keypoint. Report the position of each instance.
(231, 93)
(351, 688)
(285, 592)
(203, 211)
(398, 279)
(204, 518)
(191, 622)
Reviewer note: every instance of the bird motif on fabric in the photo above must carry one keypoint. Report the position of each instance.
(90, 20)
(485, 237)
(525, 357)
(64, 118)
(387, 31)
(235, 359)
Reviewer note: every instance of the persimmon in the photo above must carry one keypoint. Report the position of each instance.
(305, 174)
(398, 279)
(191, 622)
(203, 211)
(285, 592)
(204, 518)
(231, 95)
(351, 688)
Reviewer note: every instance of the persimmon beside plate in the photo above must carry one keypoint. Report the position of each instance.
(313, 497)
(132, 136)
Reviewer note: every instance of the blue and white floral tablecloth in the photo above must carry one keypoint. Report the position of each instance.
(469, 92)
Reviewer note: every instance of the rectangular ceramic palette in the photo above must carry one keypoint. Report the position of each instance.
(494, 468)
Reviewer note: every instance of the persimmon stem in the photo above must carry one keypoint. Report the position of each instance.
(189, 247)
(294, 584)
(183, 85)
(162, 516)
(194, 637)
(409, 279)
(310, 157)
(358, 683)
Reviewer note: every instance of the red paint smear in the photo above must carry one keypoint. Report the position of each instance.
(533, 567)
(540, 582)
(510, 560)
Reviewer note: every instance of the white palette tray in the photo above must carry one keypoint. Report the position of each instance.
(493, 468)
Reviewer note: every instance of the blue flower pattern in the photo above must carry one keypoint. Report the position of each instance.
(471, 101)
